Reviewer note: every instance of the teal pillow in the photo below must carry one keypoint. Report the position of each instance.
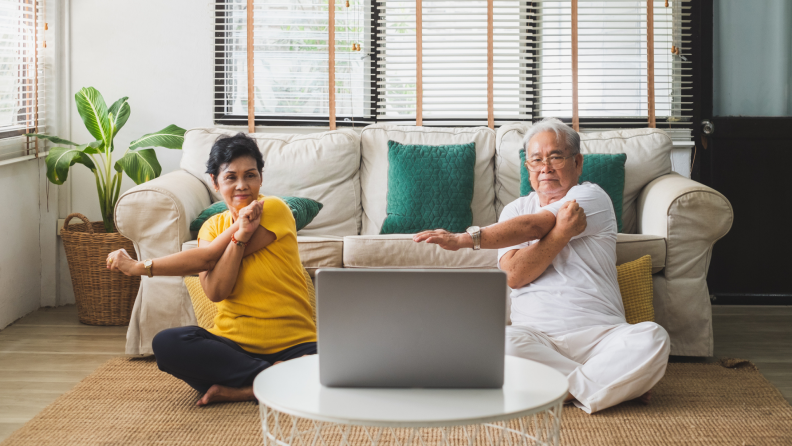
(429, 187)
(604, 169)
(303, 209)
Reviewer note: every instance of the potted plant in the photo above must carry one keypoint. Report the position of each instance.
(104, 298)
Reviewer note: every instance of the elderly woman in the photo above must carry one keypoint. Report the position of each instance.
(248, 264)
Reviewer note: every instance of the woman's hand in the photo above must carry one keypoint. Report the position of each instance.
(249, 220)
(121, 261)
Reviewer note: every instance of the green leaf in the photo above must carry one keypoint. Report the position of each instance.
(60, 159)
(120, 111)
(93, 110)
(54, 139)
(140, 165)
(171, 137)
(94, 147)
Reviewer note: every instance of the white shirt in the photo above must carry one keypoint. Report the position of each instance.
(580, 288)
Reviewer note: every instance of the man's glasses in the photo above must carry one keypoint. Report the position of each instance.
(556, 162)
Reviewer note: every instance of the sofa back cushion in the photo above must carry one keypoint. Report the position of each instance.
(648, 157)
(374, 167)
(321, 166)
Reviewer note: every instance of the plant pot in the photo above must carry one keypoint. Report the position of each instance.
(103, 297)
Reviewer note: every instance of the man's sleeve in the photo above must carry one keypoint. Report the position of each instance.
(511, 210)
(596, 204)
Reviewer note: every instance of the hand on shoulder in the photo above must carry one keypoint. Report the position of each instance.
(571, 220)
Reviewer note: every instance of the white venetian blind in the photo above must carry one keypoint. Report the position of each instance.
(22, 86)
(613, 76)
(454, 53)
(291, 65)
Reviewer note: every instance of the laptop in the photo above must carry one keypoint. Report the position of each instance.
(411, 328)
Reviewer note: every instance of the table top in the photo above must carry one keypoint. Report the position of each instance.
(293, 387)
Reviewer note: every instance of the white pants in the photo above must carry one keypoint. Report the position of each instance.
(605, 364)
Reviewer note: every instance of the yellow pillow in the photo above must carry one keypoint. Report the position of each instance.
(635, 283)
(205, 309)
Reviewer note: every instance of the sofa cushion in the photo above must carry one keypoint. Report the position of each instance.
(429, 187)
(374, 167)
(400, 251)
(321, 166)
(631, 247)
(648, 157)
(315, 252)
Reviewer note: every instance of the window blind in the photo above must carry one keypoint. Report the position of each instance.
(22, 84)
(463, 62)
(291, 61)
(455, 62)
(612, 62)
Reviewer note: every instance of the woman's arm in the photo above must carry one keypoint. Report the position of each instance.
(192, 261)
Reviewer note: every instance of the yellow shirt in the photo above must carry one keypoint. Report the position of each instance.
(268, 309)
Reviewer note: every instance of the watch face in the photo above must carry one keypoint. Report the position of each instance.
(472, 229)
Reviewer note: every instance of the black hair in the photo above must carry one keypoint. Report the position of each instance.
(229, 148)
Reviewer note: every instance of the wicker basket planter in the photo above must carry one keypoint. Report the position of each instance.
(103, 297)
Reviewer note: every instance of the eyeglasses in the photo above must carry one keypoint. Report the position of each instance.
(556, 162)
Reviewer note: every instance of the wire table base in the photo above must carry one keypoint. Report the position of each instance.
(540, 429)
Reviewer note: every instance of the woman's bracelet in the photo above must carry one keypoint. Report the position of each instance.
(237, 242)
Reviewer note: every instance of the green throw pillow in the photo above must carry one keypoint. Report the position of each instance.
(604, 169)
(303, 209)
(429, 187)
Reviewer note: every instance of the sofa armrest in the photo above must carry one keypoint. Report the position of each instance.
(156, 216)
(691, 217)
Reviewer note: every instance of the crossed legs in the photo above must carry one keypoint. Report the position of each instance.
(605, 364)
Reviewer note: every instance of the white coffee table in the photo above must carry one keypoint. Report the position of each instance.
(298, 411)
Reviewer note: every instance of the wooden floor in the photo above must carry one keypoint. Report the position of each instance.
(47, 352)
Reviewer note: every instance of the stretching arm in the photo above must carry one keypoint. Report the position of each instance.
(521, 229)
(524, 265)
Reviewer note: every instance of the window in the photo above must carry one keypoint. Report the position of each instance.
(291, 61)
(21, 78)
(530, 78)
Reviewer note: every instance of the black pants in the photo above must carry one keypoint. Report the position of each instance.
(202, 359)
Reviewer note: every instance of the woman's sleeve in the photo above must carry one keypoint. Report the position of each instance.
(208, 230)
(278, 218)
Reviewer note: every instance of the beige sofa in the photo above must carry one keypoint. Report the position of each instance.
(672, 218)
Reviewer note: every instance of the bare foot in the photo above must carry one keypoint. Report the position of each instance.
(222, 394)
(646, 398)
(569, 398)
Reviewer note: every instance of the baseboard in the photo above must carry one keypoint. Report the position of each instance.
(751, 299)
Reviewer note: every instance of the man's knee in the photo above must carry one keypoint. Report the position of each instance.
(655, 335)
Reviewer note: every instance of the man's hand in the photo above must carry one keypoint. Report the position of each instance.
(121, 261)
(446, 240)
(571, 220)
(249, 220)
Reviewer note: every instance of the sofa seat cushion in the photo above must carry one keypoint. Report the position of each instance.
(400, 251)
(374, 167)
(320, 166)
(648, 157)
(315, 252)
(631, 247)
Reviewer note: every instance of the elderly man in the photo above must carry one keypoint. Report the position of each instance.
(558, 248)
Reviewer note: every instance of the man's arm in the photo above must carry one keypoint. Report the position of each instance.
(520, 229)
(523, 266)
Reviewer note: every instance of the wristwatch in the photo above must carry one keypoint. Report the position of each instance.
(148, 263)
(475, 233)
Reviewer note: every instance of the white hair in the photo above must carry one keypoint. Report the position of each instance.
(564, 134)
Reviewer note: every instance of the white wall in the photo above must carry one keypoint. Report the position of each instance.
(156, 52)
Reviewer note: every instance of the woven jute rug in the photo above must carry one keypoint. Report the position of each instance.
(130, 402)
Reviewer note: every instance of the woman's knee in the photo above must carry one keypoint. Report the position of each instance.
(654, 334)
(169, 342)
